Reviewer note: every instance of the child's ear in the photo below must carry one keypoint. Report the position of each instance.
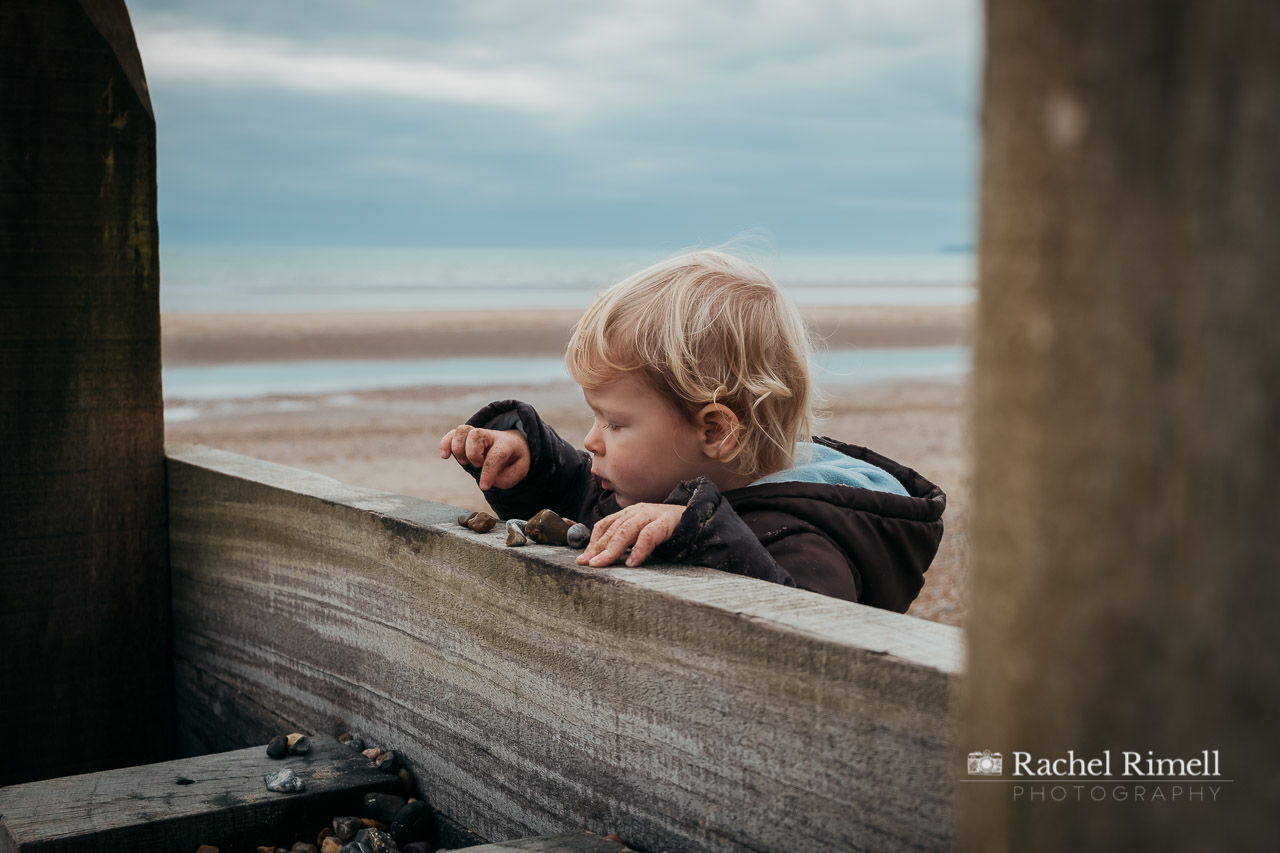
(718, 428)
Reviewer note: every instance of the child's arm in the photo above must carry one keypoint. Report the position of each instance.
(554, 475)
(696, 525)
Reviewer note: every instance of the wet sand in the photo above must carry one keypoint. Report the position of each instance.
(388, 439)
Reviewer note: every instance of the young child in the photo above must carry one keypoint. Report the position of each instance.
(696, 372)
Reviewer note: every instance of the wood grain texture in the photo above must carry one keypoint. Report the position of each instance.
(567, 842)
(681, 708)
(84, 583)
(223, 801)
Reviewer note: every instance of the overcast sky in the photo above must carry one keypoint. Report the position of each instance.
(843, 126)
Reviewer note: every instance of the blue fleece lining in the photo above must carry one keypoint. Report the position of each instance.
(506, 420)
(821, 464)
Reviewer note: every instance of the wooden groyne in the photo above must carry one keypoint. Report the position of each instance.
(679, 707)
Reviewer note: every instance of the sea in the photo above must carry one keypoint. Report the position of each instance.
(264, 279)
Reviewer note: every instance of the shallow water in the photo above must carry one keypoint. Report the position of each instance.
(283, 278)
(303, 378)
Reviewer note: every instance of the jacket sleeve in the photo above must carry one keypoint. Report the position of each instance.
(711, 534)
(559, 475)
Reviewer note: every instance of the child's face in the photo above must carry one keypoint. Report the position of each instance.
(642, 446)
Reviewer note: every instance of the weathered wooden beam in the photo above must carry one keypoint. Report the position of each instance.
(217, 799)
(1127, 421)
(84, 584)
(678, 707)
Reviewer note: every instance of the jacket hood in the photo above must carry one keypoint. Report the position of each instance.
(821, 463)
(888, 537)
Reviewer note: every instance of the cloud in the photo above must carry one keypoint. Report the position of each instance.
(213, 57)
(580, 58)
(340, 119)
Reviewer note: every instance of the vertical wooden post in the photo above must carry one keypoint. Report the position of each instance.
(1127, 419)
(84, 584)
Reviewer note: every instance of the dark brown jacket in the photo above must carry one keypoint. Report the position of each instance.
(851, 543)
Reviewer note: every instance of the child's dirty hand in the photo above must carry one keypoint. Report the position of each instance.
(501, 455)
(640, 527)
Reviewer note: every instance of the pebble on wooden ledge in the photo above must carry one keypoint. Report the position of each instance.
(480, 522)
(578, 535)
(389, 762)
(284, 781)
(547, 528)
(515, 534)
(278, 747)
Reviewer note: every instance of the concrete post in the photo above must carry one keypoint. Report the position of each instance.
(84, 584)
(1127, 422)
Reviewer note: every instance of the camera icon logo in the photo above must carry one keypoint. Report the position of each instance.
(986, 763)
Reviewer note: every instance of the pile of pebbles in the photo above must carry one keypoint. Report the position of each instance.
(545, 528)
(391, 823)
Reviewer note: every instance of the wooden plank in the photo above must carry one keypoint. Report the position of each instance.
(679, 707)
(218, 799)
(84, 599)
(568, 842)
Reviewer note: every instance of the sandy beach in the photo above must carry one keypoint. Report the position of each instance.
(388, 439)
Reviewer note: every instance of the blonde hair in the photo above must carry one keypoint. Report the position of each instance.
(706, 327)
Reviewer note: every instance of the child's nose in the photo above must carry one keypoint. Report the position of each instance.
(592, 442)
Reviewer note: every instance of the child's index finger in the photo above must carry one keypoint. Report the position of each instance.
(494, 461)
(477, 446)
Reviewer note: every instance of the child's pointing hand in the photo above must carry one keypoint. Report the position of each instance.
(501, 455)
(640, 527)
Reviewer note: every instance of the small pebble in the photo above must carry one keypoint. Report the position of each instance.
(303, 847)
(375, 839)
(372, 752)
(284, 782)
(613, 836)
(356, 847)
(344, 737)
(356, 743)
(389, 762)
(407, 781)
(346, 827)
(300, 746)
(481, 522)
(547, 528)
(382, 807)
(278, 747)
(373, 823)
(411, 823)
(464, 518)
(332, 844)
(207, 848)
(518, 522)
(515, 535)
(578, 535)
(327, 832)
